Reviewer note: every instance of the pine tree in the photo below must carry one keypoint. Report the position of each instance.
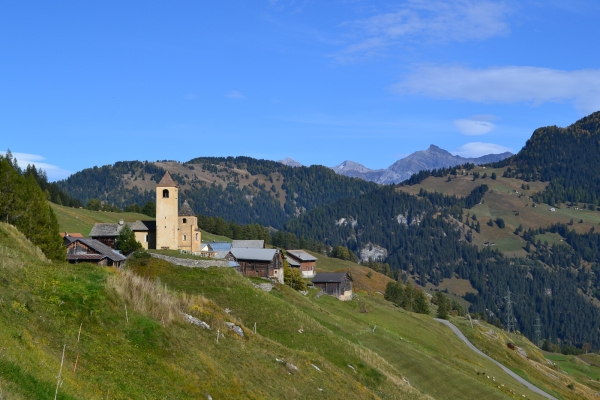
(126, 241)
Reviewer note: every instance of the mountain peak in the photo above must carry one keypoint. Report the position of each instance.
(290, 162)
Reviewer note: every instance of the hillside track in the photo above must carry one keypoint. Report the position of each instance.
(505, 369)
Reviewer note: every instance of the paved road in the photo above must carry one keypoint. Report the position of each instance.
(508, 371)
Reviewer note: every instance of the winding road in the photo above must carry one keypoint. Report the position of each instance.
(505, 369)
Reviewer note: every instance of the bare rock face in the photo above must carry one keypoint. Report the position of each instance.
(373, 252)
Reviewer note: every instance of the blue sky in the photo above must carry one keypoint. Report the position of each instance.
(85, 84)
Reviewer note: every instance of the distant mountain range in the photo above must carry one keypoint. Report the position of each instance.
(432, 158)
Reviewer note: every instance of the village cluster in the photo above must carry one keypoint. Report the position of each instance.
(176, 228)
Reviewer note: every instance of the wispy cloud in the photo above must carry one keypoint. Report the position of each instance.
(478, 149)
(191, 96)
(234, 94)
(475, 125)
(426, 21)
(509, 84)
(52, 171)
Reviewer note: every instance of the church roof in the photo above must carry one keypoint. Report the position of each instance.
(167, 181)
(185, 210)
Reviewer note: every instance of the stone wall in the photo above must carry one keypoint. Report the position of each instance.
(185, 262)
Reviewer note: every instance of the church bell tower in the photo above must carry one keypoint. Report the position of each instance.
(167, 193)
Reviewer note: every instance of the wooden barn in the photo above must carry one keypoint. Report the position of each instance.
(265, 263)
(337, 284)
(86, 250)
(302, 260)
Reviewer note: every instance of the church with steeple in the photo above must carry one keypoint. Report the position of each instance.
(176, 227)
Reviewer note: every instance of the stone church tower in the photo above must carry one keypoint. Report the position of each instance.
(167, 193)
(176, 229)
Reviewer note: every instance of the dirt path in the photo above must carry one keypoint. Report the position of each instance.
(505, 369)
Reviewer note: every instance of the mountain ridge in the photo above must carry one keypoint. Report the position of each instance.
(433, 157)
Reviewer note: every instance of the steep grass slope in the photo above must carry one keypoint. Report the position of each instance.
(134, 343)
(416, 347)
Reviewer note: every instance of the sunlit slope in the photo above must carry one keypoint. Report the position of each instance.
(82, 221)
(416, 347)
(507, 199)
(135, 344)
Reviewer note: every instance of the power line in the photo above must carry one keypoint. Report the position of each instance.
(538, 332)
(510, 318)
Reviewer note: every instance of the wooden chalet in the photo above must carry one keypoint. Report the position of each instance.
(265, 263)
(302, 260)
(86, 250)
(337, 284)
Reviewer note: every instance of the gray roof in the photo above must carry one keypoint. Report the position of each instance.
(113, 229)
(254, 244)
(233, 264)
(101, 248)
(301, 255)
(217, 246)
(329, 277)
(185, 210)
(253, 254)
(221, 253)
(293, 262)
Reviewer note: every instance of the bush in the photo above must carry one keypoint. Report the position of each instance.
(293, 278)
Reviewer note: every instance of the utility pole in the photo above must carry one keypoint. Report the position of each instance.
(510, 318)
(538, 332)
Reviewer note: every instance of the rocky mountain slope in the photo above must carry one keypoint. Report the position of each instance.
(290, 162)
(432, 158)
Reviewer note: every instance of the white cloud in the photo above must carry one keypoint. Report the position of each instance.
(52, 171)
(428, 21)
(478, 149)
(475, 125)
(234, 94)
(510, 84)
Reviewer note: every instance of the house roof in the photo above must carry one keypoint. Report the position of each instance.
(78, 235)
(301, 255)
(113, 229)
(167, 181)
(185, 210)
(255, 244)
(221, 253)
(233, 264)
(219, 245)
(329, 277)
(293, 262)
(85, 256)
(99, 247)
(253, 254)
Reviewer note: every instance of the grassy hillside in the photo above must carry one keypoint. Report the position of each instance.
(148, 351)
(420, 349)
(135, 344)
(507, 200)
(81, 220)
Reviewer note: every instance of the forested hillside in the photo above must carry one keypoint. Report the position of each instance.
(426, 242)
(568, 158)
(241, 189)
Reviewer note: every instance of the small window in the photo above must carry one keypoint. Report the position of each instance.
(146, 239)
(184, 238)
(165, 194)
(185, 220)
(196, 236)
